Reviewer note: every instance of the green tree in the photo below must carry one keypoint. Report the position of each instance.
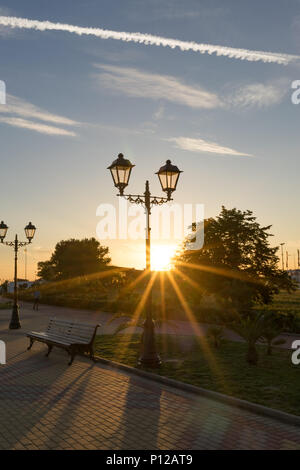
(236, 263)
(4, 287)
(73, 258)
(274, 326)
(46, 270)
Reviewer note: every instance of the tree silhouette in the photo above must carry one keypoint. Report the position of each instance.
(236, 263)
(73, 258)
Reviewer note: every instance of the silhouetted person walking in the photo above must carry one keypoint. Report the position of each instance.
(36, 302)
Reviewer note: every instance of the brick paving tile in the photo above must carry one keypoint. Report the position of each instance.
(47, 405)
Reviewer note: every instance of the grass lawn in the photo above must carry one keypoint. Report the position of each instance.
(275, 382)
(5, 305)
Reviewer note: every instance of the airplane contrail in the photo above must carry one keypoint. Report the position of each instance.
(149, 39)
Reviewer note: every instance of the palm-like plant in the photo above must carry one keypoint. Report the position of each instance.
(216, 334)
(251, 328)
(273, 328)
(270, 336)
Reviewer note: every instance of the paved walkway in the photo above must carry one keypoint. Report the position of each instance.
(186, 329)
(44, 404)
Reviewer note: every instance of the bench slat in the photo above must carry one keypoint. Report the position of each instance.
(81, 332)
(75, 339)
(79, 328)
(47, 339)
(48, 335)
(59, 339)
(69, 338)
(72, 322)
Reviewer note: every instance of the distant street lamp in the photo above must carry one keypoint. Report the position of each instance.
(168, 176)
(282, 259)
(29, 232)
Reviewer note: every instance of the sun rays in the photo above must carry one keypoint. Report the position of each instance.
(135, 320)
(164, 283)
(221, 271)
(154, 284)
(198, 332)
(161, 257)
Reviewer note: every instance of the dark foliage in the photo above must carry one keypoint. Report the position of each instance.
(73, 258)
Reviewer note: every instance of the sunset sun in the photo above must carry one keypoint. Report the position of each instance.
(161, 256)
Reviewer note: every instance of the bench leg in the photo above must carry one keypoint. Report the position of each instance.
(92, 357)
(49, 350)
(73, 354)
(31, 343)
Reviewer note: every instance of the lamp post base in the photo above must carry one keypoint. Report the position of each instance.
(153, 361)
(149, 357)
(15, 320)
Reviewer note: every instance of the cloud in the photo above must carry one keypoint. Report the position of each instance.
(137, 83)
(20, 110)
(259, 94)
(201, 145)
(134, 82)
(149, 39)
(15, 105)
(113, 128)
(36, 126)
(159, 113)
(40, 250)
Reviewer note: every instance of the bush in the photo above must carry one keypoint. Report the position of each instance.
(216, 334)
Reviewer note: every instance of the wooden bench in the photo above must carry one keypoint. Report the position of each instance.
(72, 336)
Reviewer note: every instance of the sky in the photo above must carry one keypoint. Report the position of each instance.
(74, 101)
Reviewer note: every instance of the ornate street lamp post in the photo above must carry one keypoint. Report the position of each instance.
(168, 175)
(29, 232)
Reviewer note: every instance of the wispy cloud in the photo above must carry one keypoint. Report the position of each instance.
(36, 126)
(159, 113)
(201, 145)
(259, 94)
(20, 107)
(20, 110)
(115, 129)
(141, 84)
(138, 83)
(149, 39)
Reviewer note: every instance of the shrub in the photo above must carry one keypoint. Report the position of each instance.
(216, 334)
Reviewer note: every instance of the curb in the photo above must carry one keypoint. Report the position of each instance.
(228, 400)
(297, 335)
